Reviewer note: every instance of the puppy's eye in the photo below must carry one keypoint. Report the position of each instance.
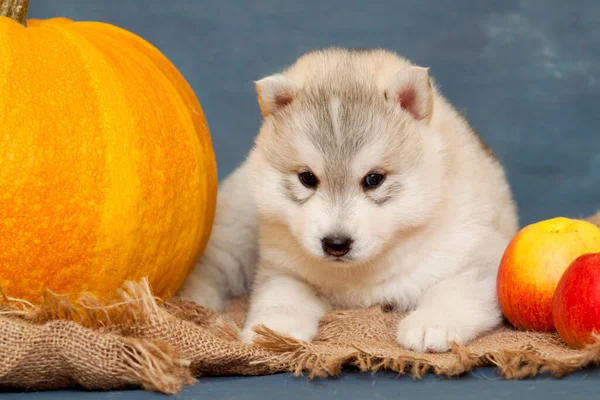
(308, 179)
(373, 181)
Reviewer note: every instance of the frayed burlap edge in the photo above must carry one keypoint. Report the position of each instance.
(299, 357)
(153, 365)
(166, 343)
(159, 367)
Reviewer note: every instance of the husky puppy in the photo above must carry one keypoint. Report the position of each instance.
(365, 186)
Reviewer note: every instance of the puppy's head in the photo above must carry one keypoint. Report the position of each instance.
(347, 165)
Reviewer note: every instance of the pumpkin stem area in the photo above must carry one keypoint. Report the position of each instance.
(15, 9)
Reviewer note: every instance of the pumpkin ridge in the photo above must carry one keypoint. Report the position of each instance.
(121, 217)
(152, 53)
(147, 50)
(182, 229)
(46, 219)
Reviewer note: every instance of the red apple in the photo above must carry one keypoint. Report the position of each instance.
(534, 262)
(576, 305)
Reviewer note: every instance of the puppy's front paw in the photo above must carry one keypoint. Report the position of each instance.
(300, 330)
(426, 330)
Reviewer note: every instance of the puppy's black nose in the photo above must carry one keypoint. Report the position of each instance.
(336, 246)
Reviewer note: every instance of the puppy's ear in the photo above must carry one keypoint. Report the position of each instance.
(410, 89)
(274, 92)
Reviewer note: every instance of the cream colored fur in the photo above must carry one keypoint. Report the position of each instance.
(428, 241)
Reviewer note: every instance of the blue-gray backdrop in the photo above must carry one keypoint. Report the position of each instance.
(525, 72)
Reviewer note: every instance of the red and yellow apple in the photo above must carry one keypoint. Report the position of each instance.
(576, 305)
(533, 264)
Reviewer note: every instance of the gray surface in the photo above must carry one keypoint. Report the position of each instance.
(482, 384)
(525, 72)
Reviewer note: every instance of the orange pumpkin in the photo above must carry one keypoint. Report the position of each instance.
(107, 171)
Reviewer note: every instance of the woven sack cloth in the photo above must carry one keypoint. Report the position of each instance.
(136, 340)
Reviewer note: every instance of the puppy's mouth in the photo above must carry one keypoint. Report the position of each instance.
(341, 259)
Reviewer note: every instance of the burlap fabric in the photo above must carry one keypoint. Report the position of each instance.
(137, 340)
